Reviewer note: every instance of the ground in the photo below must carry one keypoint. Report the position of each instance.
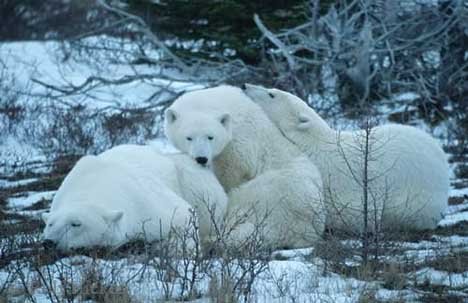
(428, 266)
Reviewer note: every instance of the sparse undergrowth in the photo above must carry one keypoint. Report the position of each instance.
(430, 265)
(107, 276)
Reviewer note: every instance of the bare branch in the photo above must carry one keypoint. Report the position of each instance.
(283, 48)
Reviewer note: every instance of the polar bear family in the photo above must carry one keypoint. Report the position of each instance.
(256, 154)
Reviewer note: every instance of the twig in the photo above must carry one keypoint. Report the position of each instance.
(283, 48)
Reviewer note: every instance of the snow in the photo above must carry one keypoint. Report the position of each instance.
(452, 241)
(423, 251)
(443, 278)
(433, 58)
(453, 209)
(30, 199)
(294, 254)
(409, 96)
(290, 281)
(387, 295)
(453, 219)
(28, 61)
(25, 64)
(462, 192)
(9, 184)
(15, 154)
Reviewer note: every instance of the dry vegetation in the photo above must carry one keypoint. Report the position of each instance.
(222, 272)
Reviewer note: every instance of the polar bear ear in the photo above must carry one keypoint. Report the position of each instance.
(113, 216)
(225, 120)
(45, 217)
(304, 122)
(170, 115)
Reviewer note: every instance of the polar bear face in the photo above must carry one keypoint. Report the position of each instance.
(201, 135)
(76, 228)
(297, 121)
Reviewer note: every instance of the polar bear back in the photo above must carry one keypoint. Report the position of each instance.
(407, 169)
(417, 170)
(120, 167)
(104, 184)
(407, 173)
(154, 177)
(192, 185)
(147, 161)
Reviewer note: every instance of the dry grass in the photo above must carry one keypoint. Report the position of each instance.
(221, 290)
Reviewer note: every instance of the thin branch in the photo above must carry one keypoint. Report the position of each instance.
(146, 30)
(277, 42)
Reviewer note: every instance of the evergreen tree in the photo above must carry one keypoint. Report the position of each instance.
(218, 25)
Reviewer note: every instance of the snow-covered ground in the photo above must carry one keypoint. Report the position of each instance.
(31, 62)
(30, 199)
(290, 276)
(28, 70)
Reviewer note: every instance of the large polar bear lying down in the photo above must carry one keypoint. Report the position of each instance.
(131, 192)
(408, 176)
(264, 174)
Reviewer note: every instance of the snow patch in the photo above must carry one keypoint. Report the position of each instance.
(459, 192)
(454, 219)
(10, 184)
(30, 199)
(443, 278)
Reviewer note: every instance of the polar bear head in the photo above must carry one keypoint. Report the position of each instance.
(202, 135)
(79, 227)
(295, 119)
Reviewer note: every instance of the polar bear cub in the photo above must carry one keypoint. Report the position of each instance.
(407, 171)
(127, 192)
(266, 176)
(195, 183)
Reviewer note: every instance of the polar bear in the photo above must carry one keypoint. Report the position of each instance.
(195, 183)
(407, 171)
(199, 186)
(125, 193)
(263, 173)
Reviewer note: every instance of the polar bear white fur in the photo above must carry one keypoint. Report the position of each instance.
(195, 183)
(125, 193)
(261, 171)
(407, 171)
(199, 186)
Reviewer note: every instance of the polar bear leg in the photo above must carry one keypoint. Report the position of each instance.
(282, 199)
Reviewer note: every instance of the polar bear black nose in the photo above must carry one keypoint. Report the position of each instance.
(201, 160)
(49, 244)
(243, 87)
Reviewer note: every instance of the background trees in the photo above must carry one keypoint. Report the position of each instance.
(402, 61)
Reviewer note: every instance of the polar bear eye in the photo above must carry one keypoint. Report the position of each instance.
(210, 138)
(75, 224)
(271, 95)
(189, 138)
